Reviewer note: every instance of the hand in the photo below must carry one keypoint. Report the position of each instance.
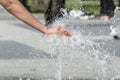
(59, 30)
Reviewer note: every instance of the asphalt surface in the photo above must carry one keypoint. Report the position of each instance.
(25, 52)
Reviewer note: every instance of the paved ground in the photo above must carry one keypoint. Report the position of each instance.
(25, 54)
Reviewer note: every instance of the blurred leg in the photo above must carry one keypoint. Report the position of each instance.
(53, 10)
(49, 13)
(103, 6)
(118, 3)
(107, 8)
(24, 2)
(57, 8)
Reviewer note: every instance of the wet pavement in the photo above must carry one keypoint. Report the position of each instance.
(24, 53)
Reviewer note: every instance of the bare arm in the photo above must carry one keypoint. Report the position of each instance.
(18, 10)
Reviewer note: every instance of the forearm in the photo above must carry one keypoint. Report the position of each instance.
(18, 10)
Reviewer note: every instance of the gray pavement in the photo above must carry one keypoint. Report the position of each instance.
(24, 52)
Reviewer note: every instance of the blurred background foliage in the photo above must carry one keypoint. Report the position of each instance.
(38, 6)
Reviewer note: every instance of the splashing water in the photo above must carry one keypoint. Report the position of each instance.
(115, 27)
(80, 47)
(77, 46)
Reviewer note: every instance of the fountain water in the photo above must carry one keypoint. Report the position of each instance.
(76, 57)
(82, 48)
(115, 28)
(79, 46)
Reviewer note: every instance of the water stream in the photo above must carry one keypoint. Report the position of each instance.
(81, 45)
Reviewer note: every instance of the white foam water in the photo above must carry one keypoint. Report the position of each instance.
(82, 45)
(115, 27)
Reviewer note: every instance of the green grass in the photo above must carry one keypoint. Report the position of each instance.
(90, 6)
(93, 7)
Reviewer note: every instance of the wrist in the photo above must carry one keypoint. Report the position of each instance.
(45, 30)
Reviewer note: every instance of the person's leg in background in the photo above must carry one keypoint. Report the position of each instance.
(107, 9)
(54, 10)
(49, 13)
(60, 4)
(118, 3)
(24, 2)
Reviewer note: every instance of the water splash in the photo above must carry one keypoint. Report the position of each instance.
(81, 45)
(115, 27)
(84, 45)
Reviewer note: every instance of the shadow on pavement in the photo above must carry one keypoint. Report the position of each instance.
(15, 50)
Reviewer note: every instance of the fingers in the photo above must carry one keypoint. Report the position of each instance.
(67, 33)
(64, 32)
(60, 31)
